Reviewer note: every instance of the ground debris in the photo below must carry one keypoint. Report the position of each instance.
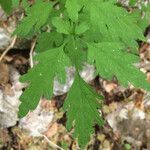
(9, 101)
(132, 121)
(4, 73)
(38, 121)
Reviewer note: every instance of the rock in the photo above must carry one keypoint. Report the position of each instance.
(132, 122)
(9, 108)
(87, 74)
(5, 39)
(9, 101)
(37, 122)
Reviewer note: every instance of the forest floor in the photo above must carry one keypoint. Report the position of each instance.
(126, 111)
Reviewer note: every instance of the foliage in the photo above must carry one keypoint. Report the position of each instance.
(51, 63)
(6, 5)
(87, 102)
(36, 17)
(98, 32)
(141, 12)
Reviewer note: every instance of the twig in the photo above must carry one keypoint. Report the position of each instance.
(51, 143)
(8, 48)
(31, 53)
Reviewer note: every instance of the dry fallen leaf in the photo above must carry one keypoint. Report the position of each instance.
(53, 129)
(4, 74)
(145, 51)
(8, 90)
(109, 86)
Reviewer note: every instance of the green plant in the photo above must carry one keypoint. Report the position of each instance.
(100, 32)
(9, 5)
(140, 11)
(128, 146)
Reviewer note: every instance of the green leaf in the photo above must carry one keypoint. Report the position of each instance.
(74, 49)
(15, 3)
(40, 78)
(62, 26)
(128, 146)
(25, 5)
(146, 10)
(132, 2)
(81, 28)
(6, 5)
(82, 107)
(48, 40)
(37, 16)
(114, 22)
(142, 22)
(111, 60)
(65, 145)
(73, 8)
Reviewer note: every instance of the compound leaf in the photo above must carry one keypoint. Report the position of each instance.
(114, 22)
(51, 63)
(82, 107)
(111, 60)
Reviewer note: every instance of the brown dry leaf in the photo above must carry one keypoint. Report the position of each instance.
(145, 51)
(109, 86)
(4, 74)
(19, 60)
(4, 137)
(53, 129)
(148, 77)
(8, 90)
(7, 59)
(48, 105)
(116, 136)
(139, 99)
